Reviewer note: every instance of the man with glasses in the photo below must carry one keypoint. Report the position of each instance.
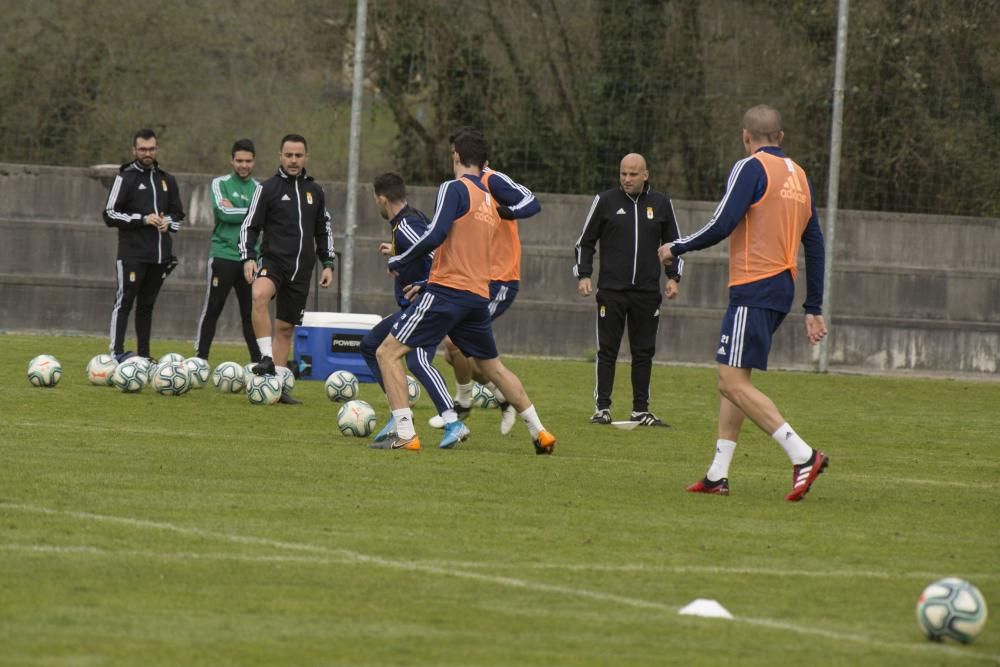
(145, 205)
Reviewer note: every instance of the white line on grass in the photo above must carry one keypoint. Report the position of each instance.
(339, 555)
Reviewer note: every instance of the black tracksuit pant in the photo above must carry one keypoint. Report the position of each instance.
(138, 282)
(224, 275)
(640, 312)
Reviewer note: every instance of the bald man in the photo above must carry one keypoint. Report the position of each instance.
(767, 210)
(629, 223)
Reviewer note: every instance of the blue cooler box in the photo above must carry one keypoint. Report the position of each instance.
(328, 342)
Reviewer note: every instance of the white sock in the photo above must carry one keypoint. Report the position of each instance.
(724, 450)
(404, 423)
(464, 394)
(496, 392)
(265, 346)
(530, 418)
(449, 417)
(796, 448)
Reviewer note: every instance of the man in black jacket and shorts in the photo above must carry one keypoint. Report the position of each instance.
(630, 223)
(290, 209)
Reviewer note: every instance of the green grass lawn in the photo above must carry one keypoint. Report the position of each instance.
(201, 530)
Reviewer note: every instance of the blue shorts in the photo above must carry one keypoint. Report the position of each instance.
(438, 312)
(502, 295)
(745, 339)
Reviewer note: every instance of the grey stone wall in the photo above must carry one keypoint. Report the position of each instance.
(911, 292)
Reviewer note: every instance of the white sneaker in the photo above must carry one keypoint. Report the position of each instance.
(508, 415)
(436, 422)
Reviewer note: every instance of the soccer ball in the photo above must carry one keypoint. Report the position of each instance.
(171, 379)
(248, 374)
(146, 366)
(228, 377)
(44, 371)
(287, 378)
(483, 397)
(171, 358)
(356, 418)
(198, 371)
(951, 608)
(264, 389)
(100, 368)
(412, 390)
(341, 386)
(130, 375)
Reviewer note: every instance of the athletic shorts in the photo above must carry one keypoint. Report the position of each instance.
(290, 295)
(745, 339)
(502, 295)
(438, 312)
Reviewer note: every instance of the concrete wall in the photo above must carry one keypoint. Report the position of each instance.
(911, 292)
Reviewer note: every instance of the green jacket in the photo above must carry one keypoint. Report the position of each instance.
(226, 235)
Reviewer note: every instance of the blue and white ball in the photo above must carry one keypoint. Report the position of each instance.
(198, 371)
(263, 389)
(412, 390)
(130, 376)
(44, 371)
(952, 608)
(341, 386)
(228, 377)
(100, 369)
(171, 379)
(356, 418)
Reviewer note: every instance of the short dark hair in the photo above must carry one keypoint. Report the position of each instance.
(144, 133)
(471, 146)
(391, 186)
(244, 145)
(294, 138)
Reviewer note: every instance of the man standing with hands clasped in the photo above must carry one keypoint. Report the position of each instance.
(628, 222)
(767, 210)
(145, 205)
(290, 209)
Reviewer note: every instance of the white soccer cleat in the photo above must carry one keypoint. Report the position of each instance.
(436, 422)
(508, 415)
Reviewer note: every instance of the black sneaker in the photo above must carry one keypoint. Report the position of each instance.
(601, 417)
(462, 411)
(288, 399)
(648, 419)
(264, 367)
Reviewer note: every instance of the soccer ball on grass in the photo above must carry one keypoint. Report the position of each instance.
(356, 418)
(483, 397)
(264, 389)
(100, 369)
(229, 376)
(412, 391)
(44, 371)
(131, 375)
(171, 379)
(951, 608)
(341, 386)
(198, 371)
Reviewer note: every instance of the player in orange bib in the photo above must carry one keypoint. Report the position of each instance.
(766, 212)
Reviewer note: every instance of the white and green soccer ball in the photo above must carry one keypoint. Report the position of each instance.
(952, 608)
(147, 367)
(171, 379)
(198, 371)
(356, 418)
(44, 371)
(248, 374)
(483, 397)
(287, 378)
(130, 376)
(229, 377)
(100, 369)
(264, 389)
(341, 386)
(412, 390)
(171, 358)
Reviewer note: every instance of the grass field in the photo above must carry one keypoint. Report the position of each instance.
(201, 530)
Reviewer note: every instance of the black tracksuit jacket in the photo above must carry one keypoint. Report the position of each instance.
(136, 193)
(291, 212)
(629, 229)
